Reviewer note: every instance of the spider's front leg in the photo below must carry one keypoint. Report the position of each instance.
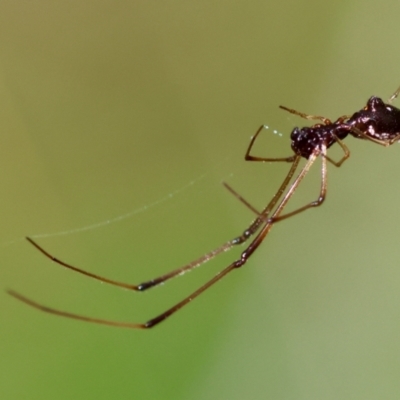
(249, 157)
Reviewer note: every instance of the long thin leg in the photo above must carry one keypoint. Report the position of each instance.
(246, 254)
(249, 157)
(346, 154)
(251, 230)
(394, 96)
(145, 285)
(322, 193)
(326, 121)
(276, 215)
(240, 198)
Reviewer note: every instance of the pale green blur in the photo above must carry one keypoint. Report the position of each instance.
(108, 108)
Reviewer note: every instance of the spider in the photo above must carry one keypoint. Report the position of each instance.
(378, 122)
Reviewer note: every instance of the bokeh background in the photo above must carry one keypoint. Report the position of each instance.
(140, 110)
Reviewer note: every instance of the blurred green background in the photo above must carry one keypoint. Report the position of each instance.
(110, 107)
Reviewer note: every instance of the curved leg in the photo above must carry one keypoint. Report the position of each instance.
(384, 143)
(346, 154)
(249, 157)
(145, 285)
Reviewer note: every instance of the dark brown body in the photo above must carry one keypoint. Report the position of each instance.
(377, 121)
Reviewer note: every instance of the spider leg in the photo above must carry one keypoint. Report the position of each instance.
(246, 254)
(322, 194)
(394, 95)
(240, 198)
(251, 230)
(326, 121)
(66, 314)
(345, 156)
(149, 324)
(394, 140)
(359, 133)
(249, 157)
(382, 142)
(81, 271)
(145, 285)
